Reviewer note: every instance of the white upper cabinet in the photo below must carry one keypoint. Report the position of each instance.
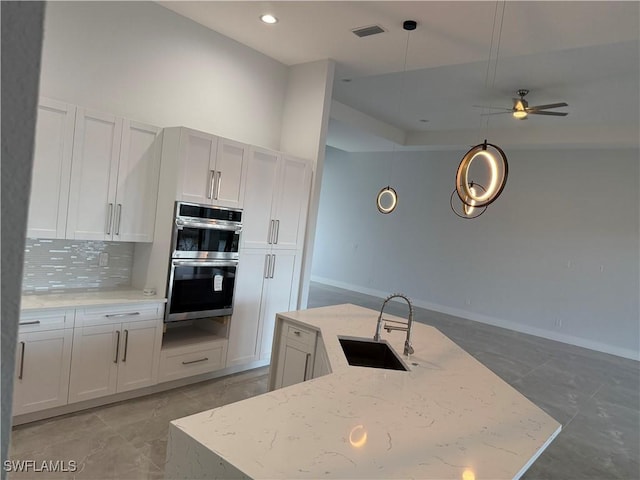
(198, 159)
(137, 189)
(276, 201)
(231, 168)
(262, 175)
(114, 179)
(291, 203)
(211, 169)
(96, 151)
(51, 170)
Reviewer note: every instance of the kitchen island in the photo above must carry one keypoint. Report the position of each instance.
(447, 417)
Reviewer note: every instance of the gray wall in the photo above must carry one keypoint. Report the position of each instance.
(557, 255)
(21, 47)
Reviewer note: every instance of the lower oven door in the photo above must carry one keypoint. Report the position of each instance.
(200, 288)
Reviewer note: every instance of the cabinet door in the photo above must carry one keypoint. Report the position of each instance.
(245, 322)
(137, 187)
(94, 364)
(294, 364)
(278, 296)
(51, 170)
(42, 370)
(262, 173)
(94, 169)
(291, 203)
(139, 352)
(230, 173)
(198, 158)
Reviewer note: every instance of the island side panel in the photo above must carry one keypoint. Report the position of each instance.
(189, 459)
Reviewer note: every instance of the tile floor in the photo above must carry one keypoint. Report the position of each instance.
(595, 396)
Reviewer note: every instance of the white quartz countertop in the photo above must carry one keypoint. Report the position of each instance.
(86, 299)
(449, 417)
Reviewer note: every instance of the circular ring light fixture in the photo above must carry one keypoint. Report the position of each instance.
(387, 200)
(498, 172)
(468, 210)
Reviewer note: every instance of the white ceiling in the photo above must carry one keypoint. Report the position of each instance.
(584, 53)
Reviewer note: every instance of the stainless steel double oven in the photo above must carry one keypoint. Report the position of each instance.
(204, 261)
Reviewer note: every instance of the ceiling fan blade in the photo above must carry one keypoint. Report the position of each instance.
(543, 112)
(494, 108)
(495, 113)
(550, 105)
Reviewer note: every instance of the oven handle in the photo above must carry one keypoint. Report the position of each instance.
(205, 263)
(209, 225)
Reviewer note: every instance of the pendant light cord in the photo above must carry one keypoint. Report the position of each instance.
(495, 65)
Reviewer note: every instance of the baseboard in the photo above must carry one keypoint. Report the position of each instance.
(497, 322)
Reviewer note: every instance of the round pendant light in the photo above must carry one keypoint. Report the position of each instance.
(467, 209)
(387, 200)
(497, 170)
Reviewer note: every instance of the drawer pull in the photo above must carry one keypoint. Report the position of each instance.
(114, 315)
(195, 361)
(35, 322)
(297, 332)
(21, 361)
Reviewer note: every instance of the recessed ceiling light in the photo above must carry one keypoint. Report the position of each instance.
(268, 18)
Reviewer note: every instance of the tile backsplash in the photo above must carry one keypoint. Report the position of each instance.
(52, 266)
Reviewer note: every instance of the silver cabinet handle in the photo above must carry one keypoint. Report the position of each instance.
(129, 314)
(211, 178)
(115, 360)
(273, 266)
(126, 345)
(267, 265)
(35, 322)
(270, 233)
(23, 345)
(219, 179)
(119, 217)
(306, 365)
(277, 231)
(107, 227)
(195, 361)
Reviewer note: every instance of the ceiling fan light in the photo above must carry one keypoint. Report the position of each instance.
(520, 114)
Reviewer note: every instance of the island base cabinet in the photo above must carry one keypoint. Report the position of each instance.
(114, 358)
(295, 355)
(42, 370)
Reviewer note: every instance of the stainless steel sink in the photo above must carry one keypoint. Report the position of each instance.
(364, 352)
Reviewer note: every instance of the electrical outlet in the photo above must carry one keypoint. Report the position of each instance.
(468, 301)
(558, 323)
(103, 259)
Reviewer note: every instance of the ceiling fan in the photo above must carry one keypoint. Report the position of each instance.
(521, 109)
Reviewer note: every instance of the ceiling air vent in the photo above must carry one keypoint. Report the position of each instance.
(366, 31)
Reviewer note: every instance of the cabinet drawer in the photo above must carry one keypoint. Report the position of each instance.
(192, 360)
(118, 313)
(302, 335)
(44, 320)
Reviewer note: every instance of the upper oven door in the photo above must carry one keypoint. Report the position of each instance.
(206, 232)
(192, 241)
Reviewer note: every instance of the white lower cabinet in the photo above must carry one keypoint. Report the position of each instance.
(295, 358)
(188, 360)
(42, 369)
(266, 283)
(111, 355)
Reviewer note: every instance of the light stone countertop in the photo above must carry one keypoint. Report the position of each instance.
(86, 299)
(448, 418)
